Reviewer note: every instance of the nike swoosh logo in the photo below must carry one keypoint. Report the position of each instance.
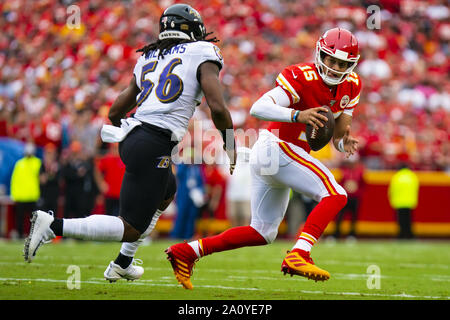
(293, 74)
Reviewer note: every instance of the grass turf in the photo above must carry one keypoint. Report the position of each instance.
(411, 270)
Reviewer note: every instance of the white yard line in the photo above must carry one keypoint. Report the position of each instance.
(366, 264)
(340, 276)
(318, 292)
(238, 260)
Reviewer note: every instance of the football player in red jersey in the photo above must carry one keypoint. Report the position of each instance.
(280, 159)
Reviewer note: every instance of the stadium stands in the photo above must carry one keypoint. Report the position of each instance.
(51, 72)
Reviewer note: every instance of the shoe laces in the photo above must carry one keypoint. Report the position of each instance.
(308, 258)
(305, 256)
(136, 262)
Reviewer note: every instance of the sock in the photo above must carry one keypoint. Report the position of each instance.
(318, 220)
(305, 242)
(57, 226)
(94, 227)
(129, 248)
(123, 261)
(230, 239)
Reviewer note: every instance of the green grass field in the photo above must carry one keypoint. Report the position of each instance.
(408, 270)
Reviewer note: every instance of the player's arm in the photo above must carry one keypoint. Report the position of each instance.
(210, 84)
(342, 139)
(124, 103)
(275, 105)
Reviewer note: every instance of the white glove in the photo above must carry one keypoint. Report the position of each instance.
(197, 197)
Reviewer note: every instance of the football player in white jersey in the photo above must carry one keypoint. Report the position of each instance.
(170, 79)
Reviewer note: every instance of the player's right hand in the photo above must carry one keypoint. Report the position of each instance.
(312, 117)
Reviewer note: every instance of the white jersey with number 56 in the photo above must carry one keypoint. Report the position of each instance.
(170, 90)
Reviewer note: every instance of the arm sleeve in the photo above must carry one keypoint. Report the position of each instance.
(273, 106)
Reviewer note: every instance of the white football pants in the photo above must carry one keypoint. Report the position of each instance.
(276, 167)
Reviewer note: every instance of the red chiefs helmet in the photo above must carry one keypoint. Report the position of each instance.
(340, 44)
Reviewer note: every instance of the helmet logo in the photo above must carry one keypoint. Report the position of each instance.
(195, 13)
(341, 54)
(344, 101)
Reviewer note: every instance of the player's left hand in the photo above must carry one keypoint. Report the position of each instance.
(232, 155)
(233, 161)
(350, 143)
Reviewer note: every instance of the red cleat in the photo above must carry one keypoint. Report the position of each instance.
(182, 258)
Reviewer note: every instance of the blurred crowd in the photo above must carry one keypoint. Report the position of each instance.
(59, 78)
(60, 73)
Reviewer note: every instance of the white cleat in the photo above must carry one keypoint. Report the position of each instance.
(115, 272)
(40, 233)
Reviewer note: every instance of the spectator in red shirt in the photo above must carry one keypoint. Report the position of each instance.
(51, 129)
(216, 190)
(109, 174)
(22, 127)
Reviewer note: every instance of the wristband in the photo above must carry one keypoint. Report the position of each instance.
(340, 145)
(294, 118)
(228, 139)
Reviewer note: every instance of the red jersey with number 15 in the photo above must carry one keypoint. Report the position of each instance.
(306, 90)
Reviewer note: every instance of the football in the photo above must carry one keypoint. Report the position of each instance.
(317, 139)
